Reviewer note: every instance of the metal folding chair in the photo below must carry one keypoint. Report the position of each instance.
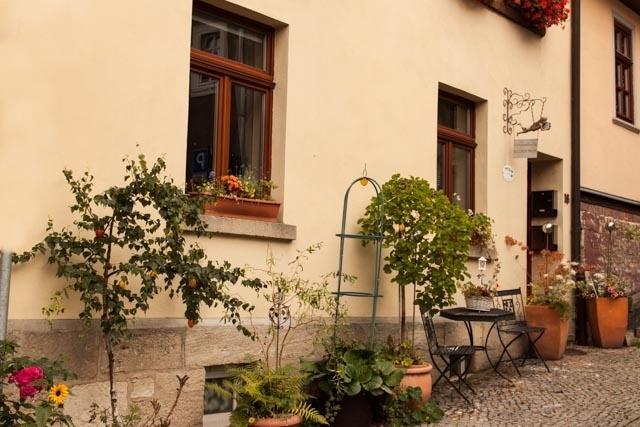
(512, 300)
(450, 356)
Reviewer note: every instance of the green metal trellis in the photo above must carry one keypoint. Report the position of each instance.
(377, 240)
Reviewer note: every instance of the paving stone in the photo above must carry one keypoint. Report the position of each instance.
(597, 388)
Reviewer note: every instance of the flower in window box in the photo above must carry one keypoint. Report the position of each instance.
(542, 14)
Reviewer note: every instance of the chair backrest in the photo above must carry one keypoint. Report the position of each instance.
(429, 330)
(513, 301)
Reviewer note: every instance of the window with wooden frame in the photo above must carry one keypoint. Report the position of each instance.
(230, 96)
(624, 72)
(456, 149)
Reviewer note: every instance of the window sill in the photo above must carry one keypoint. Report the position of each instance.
(508, 12)
(249, 228)
(476, 252)
(626, 125)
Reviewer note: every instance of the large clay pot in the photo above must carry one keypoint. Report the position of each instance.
(418, 376)
(293, 420)
(355, 411)
(554, 340)
(608, 320)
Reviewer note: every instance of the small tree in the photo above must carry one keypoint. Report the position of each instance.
(429, 241)
(127, 246)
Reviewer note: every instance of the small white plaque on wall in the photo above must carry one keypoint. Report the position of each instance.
(508, 173)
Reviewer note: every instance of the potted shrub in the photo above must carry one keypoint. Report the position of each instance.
(548, 306)
(239, 196)
(270, 393)
(417, 372)
(428, 240)
(607, 308)
(349, 379)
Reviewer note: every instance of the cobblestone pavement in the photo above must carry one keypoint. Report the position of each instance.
(588, 387)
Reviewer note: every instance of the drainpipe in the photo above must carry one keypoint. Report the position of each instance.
(576, 226)
(5, 278)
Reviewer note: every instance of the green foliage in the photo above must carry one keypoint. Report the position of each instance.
(403, 353)
(348, 370)
(266, 393)
(481, 230)
(296, 302)
(428, 236)
(34, 411)
(404, 408)
(128, 245)
(552, 287)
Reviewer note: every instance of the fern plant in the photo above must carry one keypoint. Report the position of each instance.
(266, 393)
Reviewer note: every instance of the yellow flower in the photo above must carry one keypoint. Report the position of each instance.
(58, 393)
(251, 420)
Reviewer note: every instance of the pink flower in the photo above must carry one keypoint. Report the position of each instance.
(24, 378)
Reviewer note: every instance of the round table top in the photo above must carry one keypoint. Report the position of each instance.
(468, 315)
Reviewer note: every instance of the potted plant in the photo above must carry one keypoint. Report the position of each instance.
(428, 238)
(480, 296)
(548, 306)
(607, 307)
(400, 409)
(268, 392)
(349, 379)
(239, 196)
(417, 372)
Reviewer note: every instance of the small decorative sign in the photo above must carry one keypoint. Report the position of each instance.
(525, 148)
(508, 173)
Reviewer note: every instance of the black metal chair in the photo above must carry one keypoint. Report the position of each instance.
(450, 355)
(512, 300)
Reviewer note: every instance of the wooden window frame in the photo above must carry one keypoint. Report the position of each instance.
(466, 141)
(627, 63)
(228, 72)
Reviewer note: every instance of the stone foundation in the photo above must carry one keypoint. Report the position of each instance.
(161, 349)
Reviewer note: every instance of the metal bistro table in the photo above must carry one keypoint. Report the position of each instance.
(468, 316)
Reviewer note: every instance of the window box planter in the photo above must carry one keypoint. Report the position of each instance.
(512, 14)
(239, 207)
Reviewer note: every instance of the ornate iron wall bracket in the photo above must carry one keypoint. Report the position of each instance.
(515, 105)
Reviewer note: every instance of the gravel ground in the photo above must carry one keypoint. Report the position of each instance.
(588, 387)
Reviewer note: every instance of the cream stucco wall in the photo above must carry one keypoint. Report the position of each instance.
(357, 82)
(609, 152)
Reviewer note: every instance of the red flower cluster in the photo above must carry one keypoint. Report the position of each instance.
(24, 379)
(542, 13)
(231, 183)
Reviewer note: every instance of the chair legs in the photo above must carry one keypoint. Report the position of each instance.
(449, 369)
(531, 347)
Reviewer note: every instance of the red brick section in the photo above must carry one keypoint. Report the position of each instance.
(625, 250)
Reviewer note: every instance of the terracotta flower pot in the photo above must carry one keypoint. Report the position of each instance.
(554, 340)
(418, 376)
(293, 420)
(608, 320)
(239, 207)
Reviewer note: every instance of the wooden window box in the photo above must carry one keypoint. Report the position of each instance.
(499, 6)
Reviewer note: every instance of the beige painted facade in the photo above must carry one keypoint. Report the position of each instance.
(357, 83)
(609, 149)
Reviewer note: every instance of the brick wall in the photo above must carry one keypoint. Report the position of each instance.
(625, 249)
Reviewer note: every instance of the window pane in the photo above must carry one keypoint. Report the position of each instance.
(441, 166)
(201, 133)
(454, 115)
(461, 177)
(225, 38)
(214, 403)
(246, 145)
